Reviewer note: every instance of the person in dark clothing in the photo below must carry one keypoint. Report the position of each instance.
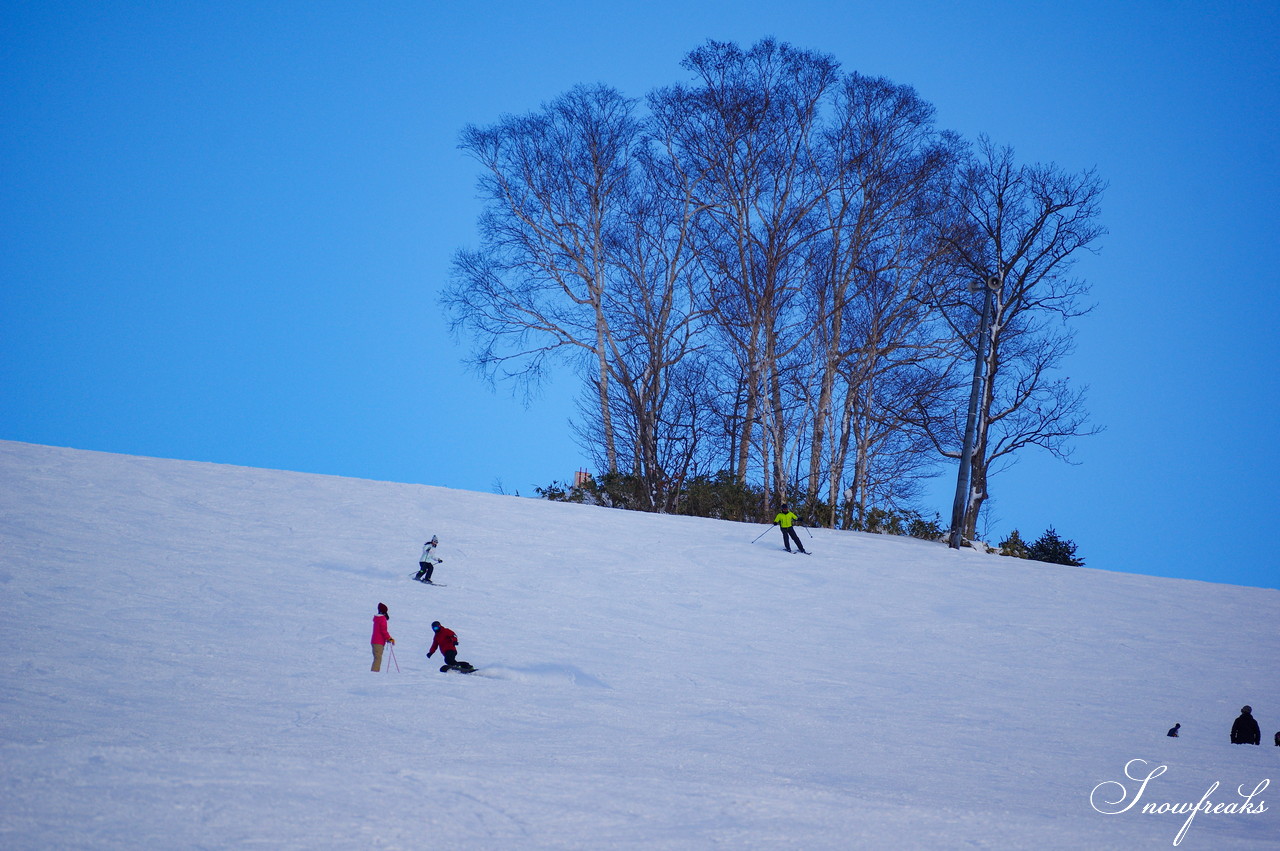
(1173, 731)
(785, 519)
(1278, 740)
(446, 641)
(1245, 731)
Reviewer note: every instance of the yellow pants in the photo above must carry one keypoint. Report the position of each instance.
(377, 657)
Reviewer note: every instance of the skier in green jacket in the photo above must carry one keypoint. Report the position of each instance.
(786, 519)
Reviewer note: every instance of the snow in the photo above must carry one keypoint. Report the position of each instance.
(186, 666)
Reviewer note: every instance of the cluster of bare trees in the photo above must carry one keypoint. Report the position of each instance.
(765, 271)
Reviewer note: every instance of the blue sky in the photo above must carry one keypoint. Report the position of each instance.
(226, 226)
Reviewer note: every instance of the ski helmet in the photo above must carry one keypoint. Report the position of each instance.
(435, 625)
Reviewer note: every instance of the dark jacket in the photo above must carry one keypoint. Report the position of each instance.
(1245, 731)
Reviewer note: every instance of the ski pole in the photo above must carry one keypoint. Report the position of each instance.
(762, 534)
(393, 658)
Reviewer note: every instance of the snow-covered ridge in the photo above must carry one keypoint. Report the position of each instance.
(187, 661)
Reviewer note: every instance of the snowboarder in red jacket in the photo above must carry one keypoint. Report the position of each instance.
(446, 641)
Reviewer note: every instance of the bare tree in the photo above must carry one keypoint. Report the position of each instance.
(657, 324)
(764, 279)
(747, 131)
(555, 184)
(872, 277)
(1026, 226)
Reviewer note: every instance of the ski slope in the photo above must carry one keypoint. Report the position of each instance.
(186, 666)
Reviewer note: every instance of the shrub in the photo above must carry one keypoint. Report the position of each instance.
(617, 490)
(883, 521)
(926, 530)
(560, 492)
(1014, 546)
(1054, 549)
(721, 496)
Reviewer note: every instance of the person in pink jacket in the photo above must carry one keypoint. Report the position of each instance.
(381, 637)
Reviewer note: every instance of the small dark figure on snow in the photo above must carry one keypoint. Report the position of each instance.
(1173, 731)
(1278, 740)
(428, 561)
(1245, 731)
(446, 641)
(786, 519)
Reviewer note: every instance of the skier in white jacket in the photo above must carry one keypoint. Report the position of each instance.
(427, 563)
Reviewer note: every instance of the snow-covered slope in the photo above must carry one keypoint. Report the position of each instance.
(186, 666)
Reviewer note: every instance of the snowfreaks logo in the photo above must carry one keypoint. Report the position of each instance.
(1100, 798)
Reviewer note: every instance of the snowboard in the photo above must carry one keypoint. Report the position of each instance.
(460, 667)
